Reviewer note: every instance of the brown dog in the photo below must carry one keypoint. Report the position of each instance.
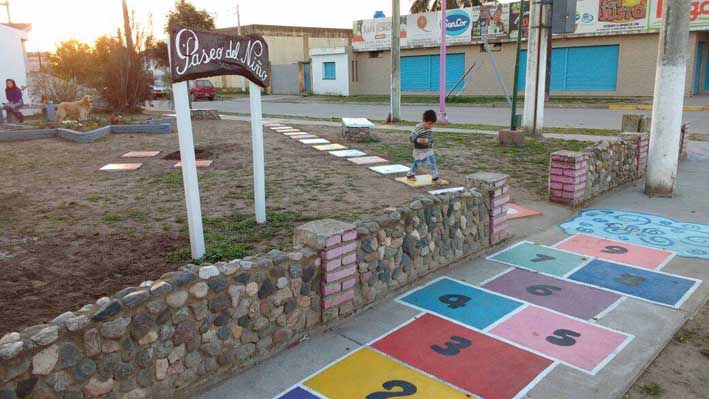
(78, 110)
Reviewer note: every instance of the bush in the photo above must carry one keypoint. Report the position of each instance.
(56, 90)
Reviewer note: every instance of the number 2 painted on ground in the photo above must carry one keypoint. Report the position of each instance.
(454, 301)
(542, 290)
(453, 348)
(615, 250)
(407, 389)
(542, 258)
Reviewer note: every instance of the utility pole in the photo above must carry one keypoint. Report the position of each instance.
(537, 53)
(515, 90)
(668, 103)
(395, 114)
(442, 119)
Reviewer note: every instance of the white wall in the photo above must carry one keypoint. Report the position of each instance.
(338, 87)
(12, 54)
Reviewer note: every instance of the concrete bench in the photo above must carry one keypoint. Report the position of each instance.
(50, 109)
(357, 129)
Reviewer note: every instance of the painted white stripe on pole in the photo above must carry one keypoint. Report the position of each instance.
(257, 145)
(189, 168)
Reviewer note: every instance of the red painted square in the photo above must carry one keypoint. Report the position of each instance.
(473, 361)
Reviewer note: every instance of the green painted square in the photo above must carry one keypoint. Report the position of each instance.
(539, 258)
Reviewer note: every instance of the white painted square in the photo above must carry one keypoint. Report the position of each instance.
(390, 169)
(348, 153)
(315, 141)
(447, 190)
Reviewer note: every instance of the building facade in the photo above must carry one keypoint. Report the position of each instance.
(289, 53)
(13, 54)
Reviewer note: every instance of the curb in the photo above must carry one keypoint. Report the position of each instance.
(648, 107)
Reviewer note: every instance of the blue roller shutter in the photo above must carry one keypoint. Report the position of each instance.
(421, 73)
(592, 68)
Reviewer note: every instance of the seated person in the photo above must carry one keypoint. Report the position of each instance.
(14, 98)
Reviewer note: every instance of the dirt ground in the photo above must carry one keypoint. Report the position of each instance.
(70, 234)
(682, 369)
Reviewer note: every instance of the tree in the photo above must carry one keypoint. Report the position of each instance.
(189, 16)
(72, 60)
(419, 6)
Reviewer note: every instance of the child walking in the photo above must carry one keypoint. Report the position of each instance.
(422, 138)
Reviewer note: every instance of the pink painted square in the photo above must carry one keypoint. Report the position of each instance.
(582, 345)
(616, 251)
(200, 164)
(140, 154)
(120, 167)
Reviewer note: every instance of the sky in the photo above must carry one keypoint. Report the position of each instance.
(54, 21)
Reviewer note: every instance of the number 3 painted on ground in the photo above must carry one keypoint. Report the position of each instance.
(453, 348)
(407, 389)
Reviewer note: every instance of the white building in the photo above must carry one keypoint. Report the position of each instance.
(330, 69)
(13, 54)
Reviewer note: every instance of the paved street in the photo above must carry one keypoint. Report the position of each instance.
(554, 117)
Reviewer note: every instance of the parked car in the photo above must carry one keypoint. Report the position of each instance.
(202, 88)
(160, 88)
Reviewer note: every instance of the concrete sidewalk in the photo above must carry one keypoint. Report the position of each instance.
(651, 325)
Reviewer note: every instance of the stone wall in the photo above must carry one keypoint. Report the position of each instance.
(576, 177)
(197, 325)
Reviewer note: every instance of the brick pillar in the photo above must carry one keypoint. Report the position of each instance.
(495, 187)
(336, 243)
(642, 141)
(568, 171)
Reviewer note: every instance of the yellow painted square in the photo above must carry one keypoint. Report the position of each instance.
(364, 372)
(329, 147)
(421, 181)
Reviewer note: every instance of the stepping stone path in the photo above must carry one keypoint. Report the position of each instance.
(121, 167)
(358, 157)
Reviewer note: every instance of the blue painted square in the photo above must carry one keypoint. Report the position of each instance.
(644, 284)
(298, 393)
(460, 302)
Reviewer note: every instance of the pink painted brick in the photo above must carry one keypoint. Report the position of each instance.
(565, 159)
(500, 201)
(574, 187)
(562, 165)
(498, 229)
(331, 253)
(575, 173)
(337, 299)
(569, 180)
(340, 274)
(349, 236)
(557, 186)
(498, 210)
(556, 171)
(330, 289)
(498, 220)
(566, 195)
(332, 241)
(347, 284)
(331, 264)
(364, 277)
(349, 259)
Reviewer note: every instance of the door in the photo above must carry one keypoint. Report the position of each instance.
(421, 72)
(307, 78)
(706, 72)
(698, 68)
(593, 68)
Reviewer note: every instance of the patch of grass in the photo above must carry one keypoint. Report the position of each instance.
(651, 389)
(170, 181)
(113, 218)
(684, 335)
(705, 352)
(238, 235)
(94, 198)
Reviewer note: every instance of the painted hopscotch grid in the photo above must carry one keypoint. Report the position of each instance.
(539, 258)
(616, 251)
(450, 352)
(561, 336)
(632, 271)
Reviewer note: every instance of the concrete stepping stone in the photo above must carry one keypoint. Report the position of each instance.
(314, 141)
(304, 136)
(289, 130)
(200, 164)
(140, 154)
(297, 134)
(367, 160)
(390, 169)
(447, 190)
(121, 167)
(329, 147)
(421, 181)
(348, 153)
